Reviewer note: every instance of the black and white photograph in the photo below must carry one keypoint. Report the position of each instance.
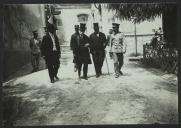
(90, 64)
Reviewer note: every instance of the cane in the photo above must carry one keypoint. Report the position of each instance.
(107, 64)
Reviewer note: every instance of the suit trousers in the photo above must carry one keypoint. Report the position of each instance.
(85, 69)
(98, 58)
(53, 64)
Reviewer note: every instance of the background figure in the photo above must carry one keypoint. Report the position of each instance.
(98, 43)
(51, 52)
(83, 55)
(35, 51)
(74, 42)
(154, 41)
(117, 48)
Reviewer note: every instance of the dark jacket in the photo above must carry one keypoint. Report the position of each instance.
(81, 52)
(97, 42)
(74, 43)
(47, 45)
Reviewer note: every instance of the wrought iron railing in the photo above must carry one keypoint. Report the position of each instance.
(161, 56)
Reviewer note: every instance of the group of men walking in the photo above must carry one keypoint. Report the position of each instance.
(83, 47)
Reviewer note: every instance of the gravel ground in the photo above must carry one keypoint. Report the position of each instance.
(140, 96)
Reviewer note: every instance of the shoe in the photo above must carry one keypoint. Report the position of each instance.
(56, 77)
(120, 72)
(85, 77)
(116, 75)
(52, 81)
(97, 76)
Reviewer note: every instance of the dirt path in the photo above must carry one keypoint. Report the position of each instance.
(139, 96)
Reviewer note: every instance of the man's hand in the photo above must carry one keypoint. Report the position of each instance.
(86, 45)
(111, 54)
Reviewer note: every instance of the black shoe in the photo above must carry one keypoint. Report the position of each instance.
(98, 75)
(56, 77)
(85, 77)
(52, 81)
(120, 72)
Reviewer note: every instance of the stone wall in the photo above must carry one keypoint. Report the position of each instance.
(19, 22)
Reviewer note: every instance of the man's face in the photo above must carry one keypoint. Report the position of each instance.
(115, 28)
(96, 29)
(82, 30)
(76, 30)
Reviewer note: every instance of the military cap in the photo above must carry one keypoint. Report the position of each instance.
(96, 24)
(115, 24)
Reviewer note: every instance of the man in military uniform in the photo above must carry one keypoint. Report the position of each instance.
(117, 49)
(51, 52)
(74, 42)
(82, 49)
(35, 51)
(98, 43)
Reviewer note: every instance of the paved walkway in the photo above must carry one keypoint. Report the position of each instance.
(141, 95)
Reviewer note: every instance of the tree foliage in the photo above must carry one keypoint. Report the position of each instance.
(140, 12)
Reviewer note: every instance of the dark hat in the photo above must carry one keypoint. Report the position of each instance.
(96, 24)
(35, 31)
(82, 25)
(76, 26)
(115, 24)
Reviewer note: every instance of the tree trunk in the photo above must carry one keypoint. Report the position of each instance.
(170, 26)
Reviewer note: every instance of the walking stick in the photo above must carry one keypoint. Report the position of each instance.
(107, 64)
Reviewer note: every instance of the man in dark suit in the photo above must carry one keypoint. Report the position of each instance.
(74, 42)
(82, 52)
(98, 43)
(51, 52)
(35, 51)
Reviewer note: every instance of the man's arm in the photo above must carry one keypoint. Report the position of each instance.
(124, 44)
(105, 42)
(87, 43)
(42, 47)
(58, 45)
(71, 42)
